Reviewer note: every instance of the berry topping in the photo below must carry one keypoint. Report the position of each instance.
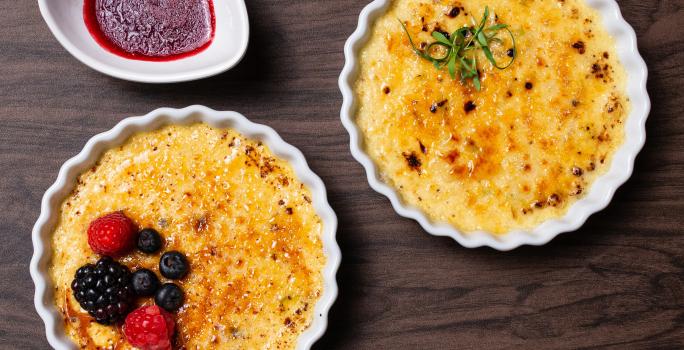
(149, 241)
(112, 234)
(173, 265)
(104, 290)
(169, 296)
(145, 282)
(149, 328)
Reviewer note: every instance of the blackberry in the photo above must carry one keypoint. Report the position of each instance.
(104, 290)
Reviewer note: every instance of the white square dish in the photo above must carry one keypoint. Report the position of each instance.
(69, 172)
(602, 189)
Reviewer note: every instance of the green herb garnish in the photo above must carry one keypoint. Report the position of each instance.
(458, 49)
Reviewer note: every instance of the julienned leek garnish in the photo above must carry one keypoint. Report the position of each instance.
(458, 50)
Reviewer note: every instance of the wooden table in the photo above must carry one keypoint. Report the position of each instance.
(616, 283)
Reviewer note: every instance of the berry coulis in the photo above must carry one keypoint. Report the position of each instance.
(151, 30)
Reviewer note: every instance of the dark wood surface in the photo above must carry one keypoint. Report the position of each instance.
(617, 283)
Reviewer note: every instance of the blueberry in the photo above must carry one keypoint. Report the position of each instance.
(145, 282)
(149, 241)
(173, 265)
(169, 297)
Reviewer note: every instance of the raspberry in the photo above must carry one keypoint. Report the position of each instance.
(112, 235)
(149, 328)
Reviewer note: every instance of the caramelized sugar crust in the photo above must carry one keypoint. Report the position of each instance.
(513, 155)
(243, 219)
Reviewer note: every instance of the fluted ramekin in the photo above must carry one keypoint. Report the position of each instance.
(68, 174)
(602, 189)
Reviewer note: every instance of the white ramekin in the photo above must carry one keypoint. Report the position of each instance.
(601, 191)
(66, 180)
(65, 19)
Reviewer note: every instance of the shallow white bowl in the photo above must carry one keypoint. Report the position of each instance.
(601, 191)
(66, 180)
(65, 19)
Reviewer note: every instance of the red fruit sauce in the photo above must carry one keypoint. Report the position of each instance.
(151, 30)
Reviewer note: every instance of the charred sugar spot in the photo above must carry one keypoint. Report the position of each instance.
(386, 90)
(433, 108)
(602, 71)
(614, 104)
(509, 93)
(469, 106)
(289, 211)
(577, 171)
(553, 200)
(580, 46)
(528, 85)
(412, 161)
(455, 11)
(510, 53)
(575, 103)
(606, 55)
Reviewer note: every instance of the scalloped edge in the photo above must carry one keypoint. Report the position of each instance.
(72, 168)
(601, 191)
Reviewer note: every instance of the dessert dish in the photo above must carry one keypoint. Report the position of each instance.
(492, 122)
(188, 236)
(151, 41)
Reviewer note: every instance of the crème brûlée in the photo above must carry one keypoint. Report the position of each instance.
(239, 214)
(517, 152)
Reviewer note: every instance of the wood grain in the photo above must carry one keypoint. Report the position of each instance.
(617, 283)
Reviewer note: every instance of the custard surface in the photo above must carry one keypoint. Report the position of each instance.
(520, 151)
(239, 214)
